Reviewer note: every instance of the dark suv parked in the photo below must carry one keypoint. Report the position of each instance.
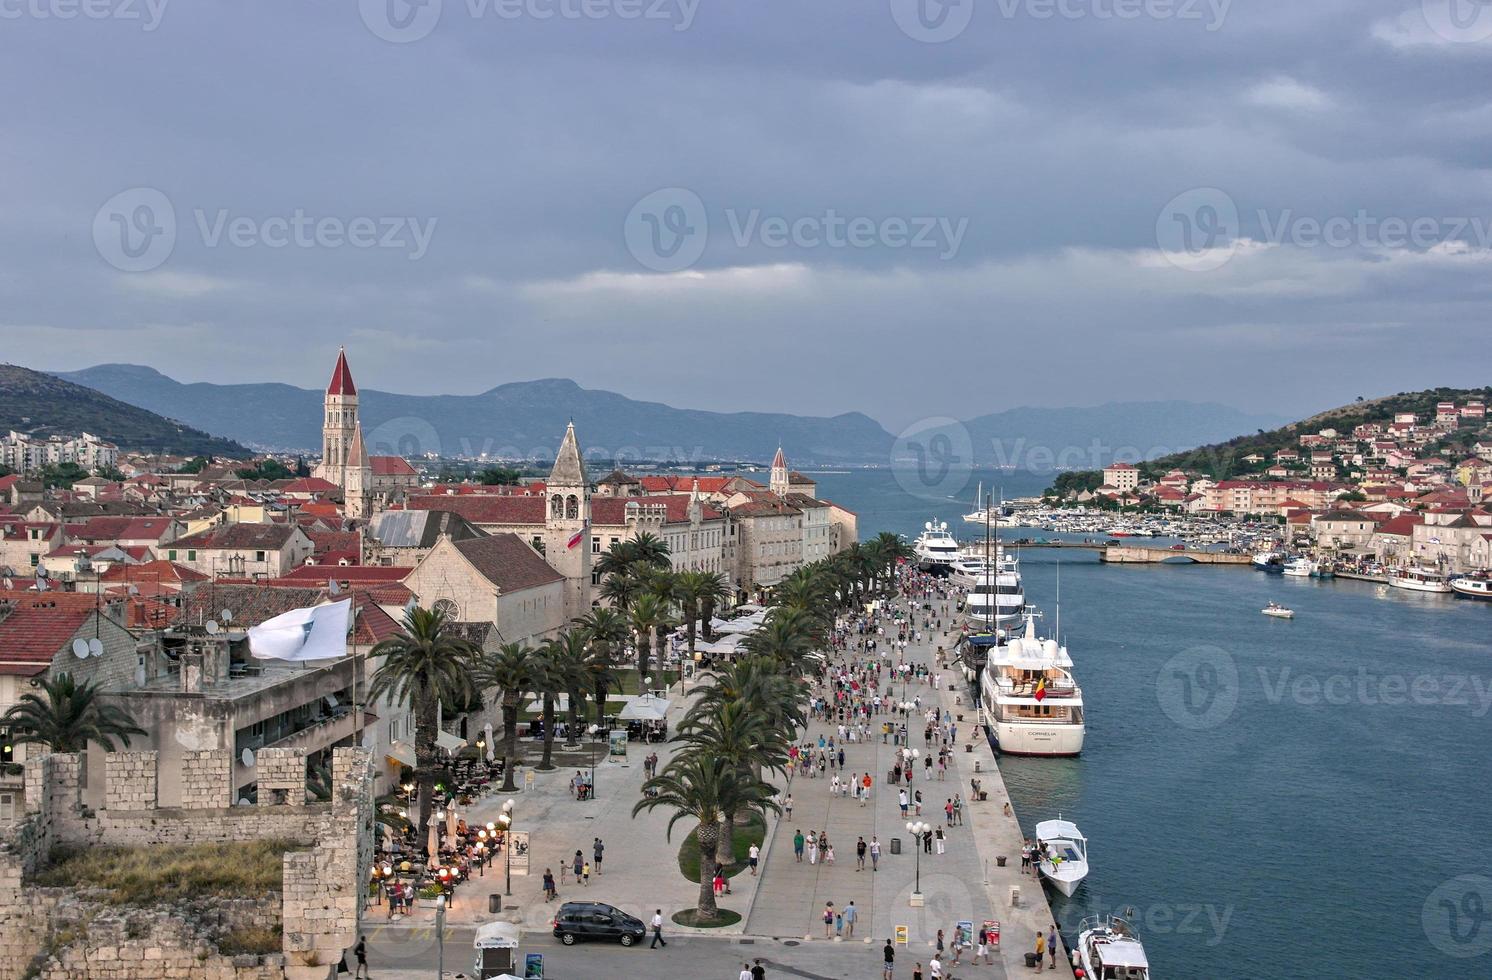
(594, 920)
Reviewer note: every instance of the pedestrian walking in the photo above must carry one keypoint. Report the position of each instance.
(901, 797)
(752, 856)
(828, 918)
(578, 864)
(787, 806)
(888, 959)
(850, 915)
(829, 854)
(758, 972)
(939, 839)
(1040, 948)
(360, 953)
(798, 846)
(597, 850)
(585, 874)
(875, 854)
(1051, 947)
(745, 973)
(550, 892)
(658, 939)
(860, 850)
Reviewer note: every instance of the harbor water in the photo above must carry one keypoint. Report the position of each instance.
(1272, 798)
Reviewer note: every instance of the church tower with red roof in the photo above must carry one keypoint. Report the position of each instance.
(779, 482)
(339, 424)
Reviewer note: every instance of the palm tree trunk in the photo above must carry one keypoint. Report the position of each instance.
(510, 741)
(707, 838)
(600, 707)
(425, 762)
(707, 613)
(644, 656)
(572, 720)
(725, 847)
(546, 763)
(692, 626)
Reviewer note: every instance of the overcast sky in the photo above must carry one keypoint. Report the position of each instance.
(903, 208)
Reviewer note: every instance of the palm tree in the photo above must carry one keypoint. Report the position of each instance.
(787, 637)
(647, 612)
(68, 718)
(696, 591)
(663, 582)
(605, 630)
(510, 668)
(421, 666)
(567, 654)
(705, 787)
(740, 734)
(547, 681)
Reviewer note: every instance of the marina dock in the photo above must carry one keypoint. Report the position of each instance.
(1126, 554)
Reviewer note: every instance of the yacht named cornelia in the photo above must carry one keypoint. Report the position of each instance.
(1029, 702)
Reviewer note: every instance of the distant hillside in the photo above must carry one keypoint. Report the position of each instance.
(527, 418)
(45, 405)
(524, 418)
(1223, 460)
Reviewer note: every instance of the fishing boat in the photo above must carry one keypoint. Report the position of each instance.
(1064, 854)
(1418, 579)
(1278, 611)
(1269, 561)
(1110, 949)
(1472, 587)
(1299, 567)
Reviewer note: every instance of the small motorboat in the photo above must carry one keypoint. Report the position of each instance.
(1110, 949)
(1300, 567)
(1064, 854)
(1278, 611)
(1472, 588)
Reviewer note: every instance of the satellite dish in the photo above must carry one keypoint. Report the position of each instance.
(41, 584)
(211, 627)
(927, 526)
(243, 800)
(9, 585)
(248, 757)
(333, 587)
(80, 649)
(41, 571)
(95, 647)
(134, 590)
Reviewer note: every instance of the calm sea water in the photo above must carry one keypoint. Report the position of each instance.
(1273, 799)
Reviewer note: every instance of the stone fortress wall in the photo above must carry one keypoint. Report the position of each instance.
(51, 934)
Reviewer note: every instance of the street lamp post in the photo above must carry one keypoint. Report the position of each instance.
(917, 828)
(440, 934)
(506, 819)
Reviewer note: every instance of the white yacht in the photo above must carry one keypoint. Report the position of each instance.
(997, 599)
(1416, 579)
(935, 548)
(1300, 567)
(1110, 949)
(1064, 856)
(1472, 588)
(1029, 702)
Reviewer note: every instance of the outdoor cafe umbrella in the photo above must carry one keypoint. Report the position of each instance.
(451, 822)
(434, 844)
(645, 707)
(488, 729)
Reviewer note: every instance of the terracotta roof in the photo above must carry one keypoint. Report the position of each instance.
(35, 630)
(308, 484)
(486, 508)
(342, 573)
(507, 562)
(612, 511)
(779, 460)
(240, 537)
(615, 477)
(341, 383)
(325, 542)
(683, 484)
(153, 571)
(1403, 525)
(391, 466)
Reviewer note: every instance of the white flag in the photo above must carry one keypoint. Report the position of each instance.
(316, 633)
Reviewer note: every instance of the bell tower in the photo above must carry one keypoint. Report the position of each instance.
(778, 483)
(338, 424)
(357, 492)
(567, 525)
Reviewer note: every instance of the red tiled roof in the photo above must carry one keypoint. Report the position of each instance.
(6, 482)
(341, 383)
(319, 509)
(344, 573)
(35, 629)
(239, 537)
(153, 571)
(508, 562)
(391, 466)
(309, 484)
(326, 542)
(485, 508)
(612, 510)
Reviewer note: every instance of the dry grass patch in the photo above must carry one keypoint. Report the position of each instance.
(153, 875)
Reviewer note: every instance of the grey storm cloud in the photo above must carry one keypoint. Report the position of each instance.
(903, 207)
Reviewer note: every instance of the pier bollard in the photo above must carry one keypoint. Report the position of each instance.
(1015, 896)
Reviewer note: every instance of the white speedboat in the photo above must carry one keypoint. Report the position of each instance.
(1278, 611)
(1029, 702)
(1064, 854)
(1472, 588)
(935, 548)
(1418, 579)
(1300, 567)
(1110, 949)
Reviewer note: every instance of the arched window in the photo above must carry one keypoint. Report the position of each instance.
(556, 506)
(572, 507)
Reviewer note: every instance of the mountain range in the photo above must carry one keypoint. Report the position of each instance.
(44, 405)
(526, 419)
